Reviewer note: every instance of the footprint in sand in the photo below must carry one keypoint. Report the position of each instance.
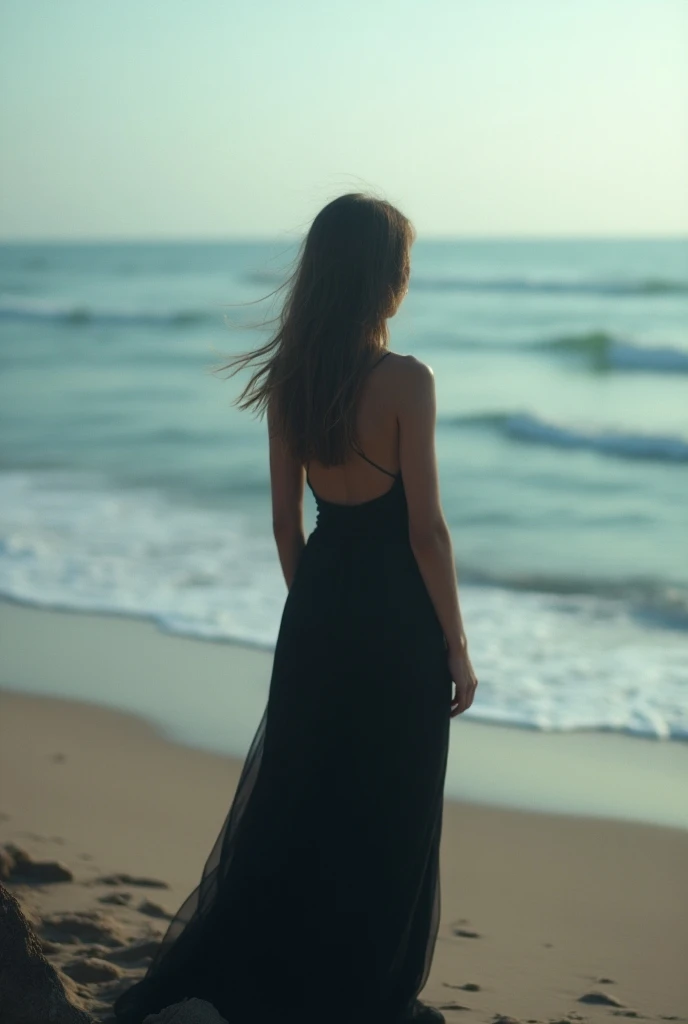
(134, 952)
(85, 926)
(23, 867)
(92, 970)
(153, 910)
(117, 899)
(124, 879)
(597, 998)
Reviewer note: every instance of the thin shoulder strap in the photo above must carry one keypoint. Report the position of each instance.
(359, 450)
(355, 447)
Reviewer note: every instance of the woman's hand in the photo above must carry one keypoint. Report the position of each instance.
(465, 681)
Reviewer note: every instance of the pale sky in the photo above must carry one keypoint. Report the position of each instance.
(220, 119)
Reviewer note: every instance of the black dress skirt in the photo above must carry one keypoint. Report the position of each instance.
(320, 900)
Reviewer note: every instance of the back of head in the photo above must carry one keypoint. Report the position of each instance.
(351, 274)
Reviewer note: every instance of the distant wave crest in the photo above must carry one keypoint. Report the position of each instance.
(605, 352)
(600, 350)
(524, 427)
(85, 315)
(590, 286)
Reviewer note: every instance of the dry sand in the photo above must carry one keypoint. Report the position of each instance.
(550, 904)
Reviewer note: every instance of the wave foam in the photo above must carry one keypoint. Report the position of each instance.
(545, 660)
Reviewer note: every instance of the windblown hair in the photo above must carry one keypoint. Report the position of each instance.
(351, 272)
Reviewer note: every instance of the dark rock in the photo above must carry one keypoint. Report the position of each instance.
(153, 909)
(119, 899)
(120, 879)
(453, 1006)
(31, 990)
(87, 926)
(500, 1019)
(135, 951)
(600, 999)
(90, 969)
(466, 933)
(470, 986)
(606, 981)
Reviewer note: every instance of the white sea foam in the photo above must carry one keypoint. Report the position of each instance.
(545, 661)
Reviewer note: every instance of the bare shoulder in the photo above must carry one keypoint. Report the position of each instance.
(409, 368)
(413, 378)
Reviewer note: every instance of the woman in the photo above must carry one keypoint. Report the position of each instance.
(320, 900)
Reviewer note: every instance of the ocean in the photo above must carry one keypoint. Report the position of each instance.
(130, 484)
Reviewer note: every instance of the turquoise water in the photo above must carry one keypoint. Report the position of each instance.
(128, 482)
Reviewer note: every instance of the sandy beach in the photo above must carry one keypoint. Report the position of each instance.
(545, 917)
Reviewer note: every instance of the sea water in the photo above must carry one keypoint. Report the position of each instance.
(130, 484)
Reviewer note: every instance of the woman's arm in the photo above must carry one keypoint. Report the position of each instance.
(428, 531)
(287, 482)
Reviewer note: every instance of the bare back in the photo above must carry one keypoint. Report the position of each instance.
(367, 474)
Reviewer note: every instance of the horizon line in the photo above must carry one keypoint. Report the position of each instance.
(265, 238)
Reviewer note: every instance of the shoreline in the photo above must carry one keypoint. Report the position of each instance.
(170, 681)
(549, 905)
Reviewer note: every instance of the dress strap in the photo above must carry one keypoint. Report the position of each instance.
(355, 447)
(378, 361)
(359, 451)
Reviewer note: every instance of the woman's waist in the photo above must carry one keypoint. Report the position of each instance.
(337, 532)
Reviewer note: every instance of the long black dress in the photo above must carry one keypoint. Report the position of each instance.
(320, 900)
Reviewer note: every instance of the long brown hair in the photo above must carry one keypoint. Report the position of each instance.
(351, 273)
